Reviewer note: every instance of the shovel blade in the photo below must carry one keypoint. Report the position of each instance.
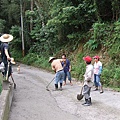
(79, 96)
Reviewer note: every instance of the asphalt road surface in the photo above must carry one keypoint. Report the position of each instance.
(32, 101)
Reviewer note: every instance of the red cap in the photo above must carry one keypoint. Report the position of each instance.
(87, 59)
(96, 57)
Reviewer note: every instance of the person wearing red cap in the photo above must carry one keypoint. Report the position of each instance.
(88, 78)
(97, 73)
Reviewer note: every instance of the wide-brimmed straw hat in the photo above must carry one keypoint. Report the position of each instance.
(6, 38)
(51, 58)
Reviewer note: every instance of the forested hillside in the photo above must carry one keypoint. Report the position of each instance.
(44, 28)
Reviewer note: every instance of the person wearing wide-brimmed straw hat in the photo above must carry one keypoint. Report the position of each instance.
(5, 52)
(6, 38)
(58, 69)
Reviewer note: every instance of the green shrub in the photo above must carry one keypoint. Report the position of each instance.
(17, 55)
(78, 68)
(114, 52)
(106, 77)
(91, 44)
(111, 75)
(37, 61)
(117, 77)
(42, 62)
(30, 59)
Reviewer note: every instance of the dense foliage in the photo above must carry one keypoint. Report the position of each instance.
(76, 27)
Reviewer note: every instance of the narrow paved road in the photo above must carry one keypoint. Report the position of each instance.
(33, 102)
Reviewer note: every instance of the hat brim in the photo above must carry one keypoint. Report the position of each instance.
(95, 57)
(51, 59)
(2, 39)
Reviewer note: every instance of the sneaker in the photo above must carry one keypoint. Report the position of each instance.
(84, 103)
(87, 104)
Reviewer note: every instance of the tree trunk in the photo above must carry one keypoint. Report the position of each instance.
(31, 20)
(37, 3)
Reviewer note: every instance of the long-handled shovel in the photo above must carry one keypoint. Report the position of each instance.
(49, 84)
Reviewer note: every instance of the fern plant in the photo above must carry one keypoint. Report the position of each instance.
(91, 44)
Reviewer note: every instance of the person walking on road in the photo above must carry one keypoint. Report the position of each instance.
(97, 73)
(88, 78)
(58, 69)
(5, 53)
(67, 69)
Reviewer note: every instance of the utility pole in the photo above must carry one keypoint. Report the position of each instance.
(23, 48)
(31, 19)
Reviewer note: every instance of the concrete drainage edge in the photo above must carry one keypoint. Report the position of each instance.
(5, 102)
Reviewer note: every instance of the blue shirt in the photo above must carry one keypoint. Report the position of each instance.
(66, 65)
(3, 56)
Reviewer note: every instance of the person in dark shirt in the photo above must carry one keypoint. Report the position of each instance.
(5, 53)
(67, 68)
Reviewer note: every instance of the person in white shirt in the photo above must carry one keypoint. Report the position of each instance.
(88, 78)
(97, 73)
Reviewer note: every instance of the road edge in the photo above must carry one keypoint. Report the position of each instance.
(5, 102)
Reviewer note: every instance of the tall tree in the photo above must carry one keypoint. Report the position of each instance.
(10, 13)
(116, 9)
